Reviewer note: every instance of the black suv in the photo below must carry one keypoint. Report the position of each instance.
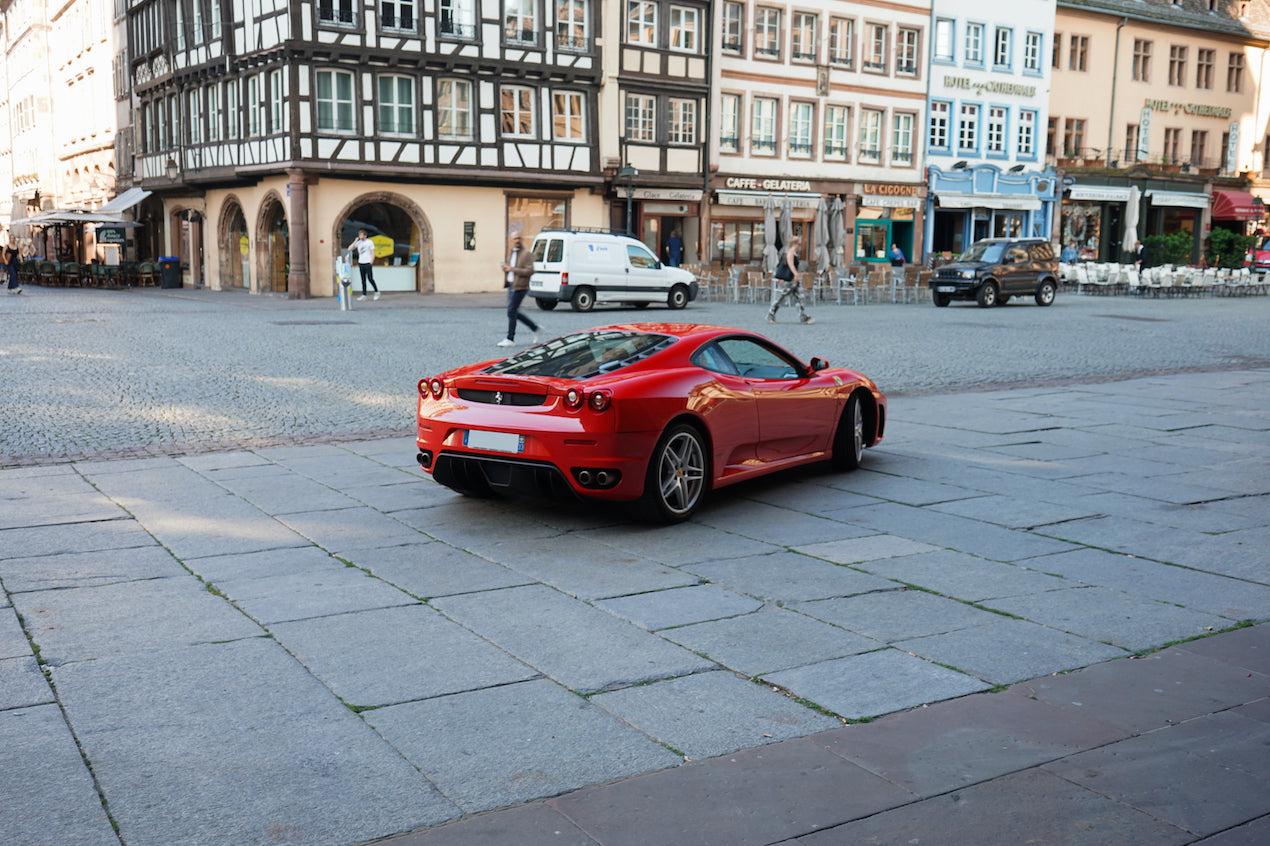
(995, 269)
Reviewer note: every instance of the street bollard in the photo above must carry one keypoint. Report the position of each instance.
(343, 284)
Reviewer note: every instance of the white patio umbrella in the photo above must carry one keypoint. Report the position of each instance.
(822, 234)
(837, 234)
(1131, 219)
(770, 256)
(787, 224)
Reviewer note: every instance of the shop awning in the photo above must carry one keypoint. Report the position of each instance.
(1099, 193)
(125, 201)
(71, 217)
(1179, 199)
(1010, 202)
(1236, 205)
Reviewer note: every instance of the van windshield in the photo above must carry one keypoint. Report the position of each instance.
(988, 252)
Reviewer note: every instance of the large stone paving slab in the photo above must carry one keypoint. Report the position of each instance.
(350, 528)
(499, 746)
(22, 684)
(788, 577)
(237, 743)
(965, 577)
(46, 793)
(334, 589)
(663, 609)
(579, 646)
(888, 616)
(13, 642)
(33, 541)
(374, 658)
(429, 569)
(51, 496)
(88, 569)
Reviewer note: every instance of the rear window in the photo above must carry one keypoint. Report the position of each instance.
(1042, 252)
(548, 249)
(584, 354)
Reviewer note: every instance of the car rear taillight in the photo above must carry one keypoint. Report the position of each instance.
(599, 400)
(436, 387)
(564, 278)
(575, 398)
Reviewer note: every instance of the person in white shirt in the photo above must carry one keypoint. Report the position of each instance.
(363, 250)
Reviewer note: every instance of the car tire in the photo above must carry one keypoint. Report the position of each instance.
(678, 475)
(1045, 293)
(546, 304)
(678, 297)
(987, 295)
(848, 439)
(583, 299)
(941, 300)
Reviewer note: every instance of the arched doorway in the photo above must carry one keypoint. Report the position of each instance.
(235, 247)
(273, 261)
(402, 236)
(186, 233)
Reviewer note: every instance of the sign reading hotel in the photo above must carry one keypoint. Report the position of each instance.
(1198, 109)
(965, 83)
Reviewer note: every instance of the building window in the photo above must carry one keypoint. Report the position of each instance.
(1078, 52)
(943, 40)
(1003, 49)
(1027, 133)
(396, 105)
(567, 119)
(1235, 74)
(1056, 52)
(803, 33)
(767, 33)
(906, 52)
(1050, 131)
(253, 105)
(1177, 65)
(520, 23)
(968, 128)
(683, 121)
(1073, 138)
(939, 117)
(842, 42)
(335, 101)
(801, 124)
(974, 44)
(875, 48)
(454, 109)
(1199, 147)
(733, 28)
(763, 126)
(1141, 60)
(684, 25)
(996, 130)
(641, 22)
(397, 14)
(837, 123)
(1131, 143)
(277, 102)
(214, 114)
(571, 25)
(458, 19)
(231, 109)
(730, 123)
(640, 117)
(196, 115)
(517, 109)
(1032, 52)
(1205, 61)
(870, 136)
(902, 139)
(1172, 143)
(335, 12)
(1224, 164)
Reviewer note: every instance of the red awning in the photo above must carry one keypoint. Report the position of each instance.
(1236, 205)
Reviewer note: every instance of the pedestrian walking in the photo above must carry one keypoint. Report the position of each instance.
(363, 252)
(1140, 256)
(791, 288)
(517, 269)
(11, 262)
(674, 249)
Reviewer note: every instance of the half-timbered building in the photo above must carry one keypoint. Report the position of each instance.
(274, 130)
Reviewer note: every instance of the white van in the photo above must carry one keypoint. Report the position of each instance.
(583, 267)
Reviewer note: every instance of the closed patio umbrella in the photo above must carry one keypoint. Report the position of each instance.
(837, 234)
(770, 256)
(1131, 219)
(822, 235)
(787, 225)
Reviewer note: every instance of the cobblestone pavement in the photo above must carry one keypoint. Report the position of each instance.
(149, 371)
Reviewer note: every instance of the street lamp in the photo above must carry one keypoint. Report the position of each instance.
(170, 170)
(628, 173)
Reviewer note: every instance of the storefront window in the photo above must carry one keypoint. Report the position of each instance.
(530, 215)
(1082, 228)
(393, 232)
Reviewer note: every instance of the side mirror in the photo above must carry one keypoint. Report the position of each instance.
(818, 364)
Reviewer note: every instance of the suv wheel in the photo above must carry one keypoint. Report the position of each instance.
(941, 300)
(1045, 293)
(987, 294)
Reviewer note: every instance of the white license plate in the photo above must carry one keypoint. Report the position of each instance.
(947, 289)
(493, 441)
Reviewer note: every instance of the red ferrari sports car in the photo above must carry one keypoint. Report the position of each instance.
(659, 413)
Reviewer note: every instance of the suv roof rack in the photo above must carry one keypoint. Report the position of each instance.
(588, 230)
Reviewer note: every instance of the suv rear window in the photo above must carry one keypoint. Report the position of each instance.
(1042, 252)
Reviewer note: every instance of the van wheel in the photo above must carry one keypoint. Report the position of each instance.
(583, 299)
(988, 295)
(678, 297)
(640, 305)
(545, 304)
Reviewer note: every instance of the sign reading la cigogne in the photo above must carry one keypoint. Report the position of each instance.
(889, 189)
(1200, 109)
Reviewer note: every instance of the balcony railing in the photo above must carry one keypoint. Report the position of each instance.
(1122, 159)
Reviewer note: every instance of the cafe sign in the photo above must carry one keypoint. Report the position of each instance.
(111, 235)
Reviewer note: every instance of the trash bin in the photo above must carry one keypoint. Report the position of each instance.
(170, 272)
